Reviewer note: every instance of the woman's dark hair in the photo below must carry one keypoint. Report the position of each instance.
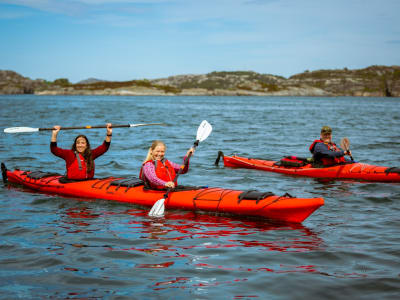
(87, 155)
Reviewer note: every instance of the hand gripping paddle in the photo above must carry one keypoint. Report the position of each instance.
(345, 144)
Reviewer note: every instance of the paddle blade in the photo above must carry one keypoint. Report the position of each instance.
(20, 129)
(147, 124)
(203, 131)
(345, 144)
(158, 209)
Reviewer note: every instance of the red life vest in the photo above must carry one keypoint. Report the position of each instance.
(164, 171)
(78, 169)
(326, 161)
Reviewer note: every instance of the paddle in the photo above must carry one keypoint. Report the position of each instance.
(203, 132)
(30, 129)
(345, 144)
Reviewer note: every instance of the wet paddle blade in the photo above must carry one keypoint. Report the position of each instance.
(20, 129)
(203, 131)
(345, 144)
(158, 209)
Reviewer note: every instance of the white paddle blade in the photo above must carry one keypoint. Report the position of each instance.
(203, 131)
(146, 124)
(20, 129)
(158, 209)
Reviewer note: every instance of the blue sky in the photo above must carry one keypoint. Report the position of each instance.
(137, 39)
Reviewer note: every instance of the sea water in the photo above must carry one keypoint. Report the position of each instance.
(56, 247)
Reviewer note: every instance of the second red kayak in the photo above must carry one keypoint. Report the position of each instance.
(302, 167)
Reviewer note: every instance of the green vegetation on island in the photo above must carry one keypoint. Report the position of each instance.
(373, 81)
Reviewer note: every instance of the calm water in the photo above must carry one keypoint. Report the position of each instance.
(55, 247)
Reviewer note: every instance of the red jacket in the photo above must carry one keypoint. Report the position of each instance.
(164, 171)
(74, 171)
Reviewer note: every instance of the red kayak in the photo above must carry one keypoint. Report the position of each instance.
(302, 167)
(132, 190)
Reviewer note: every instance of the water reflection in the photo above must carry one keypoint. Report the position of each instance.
(190, 229)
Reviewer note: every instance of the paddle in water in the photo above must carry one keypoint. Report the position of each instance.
(345, 145)
(30, 129)
(203, 132)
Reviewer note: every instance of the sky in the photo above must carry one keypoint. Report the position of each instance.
(123, 40)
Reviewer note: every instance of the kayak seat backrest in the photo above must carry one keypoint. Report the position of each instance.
(293, 161)
(253, 195)
(392, 170)
(40, 174)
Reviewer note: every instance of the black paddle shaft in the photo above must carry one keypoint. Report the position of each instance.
(195, 144)
(86, 127)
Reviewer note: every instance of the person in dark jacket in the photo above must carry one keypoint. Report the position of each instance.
(325, 151)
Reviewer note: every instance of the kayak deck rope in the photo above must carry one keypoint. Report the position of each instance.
(201, 196)
(392, 170)
(40, 174)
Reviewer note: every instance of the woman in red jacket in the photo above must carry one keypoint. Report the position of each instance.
(79, 160)
(157, 171)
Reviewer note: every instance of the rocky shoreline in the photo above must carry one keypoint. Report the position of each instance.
(374, 81)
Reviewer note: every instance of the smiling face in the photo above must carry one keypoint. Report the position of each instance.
(326, 137)
(158, 152)
(81, 144)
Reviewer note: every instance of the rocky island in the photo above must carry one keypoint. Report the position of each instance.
(373, 81)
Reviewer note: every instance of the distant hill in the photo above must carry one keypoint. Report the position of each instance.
(90, 81)
(373, 81)
(13, 83)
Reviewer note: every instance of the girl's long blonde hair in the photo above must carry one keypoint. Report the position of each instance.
(152, 147)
